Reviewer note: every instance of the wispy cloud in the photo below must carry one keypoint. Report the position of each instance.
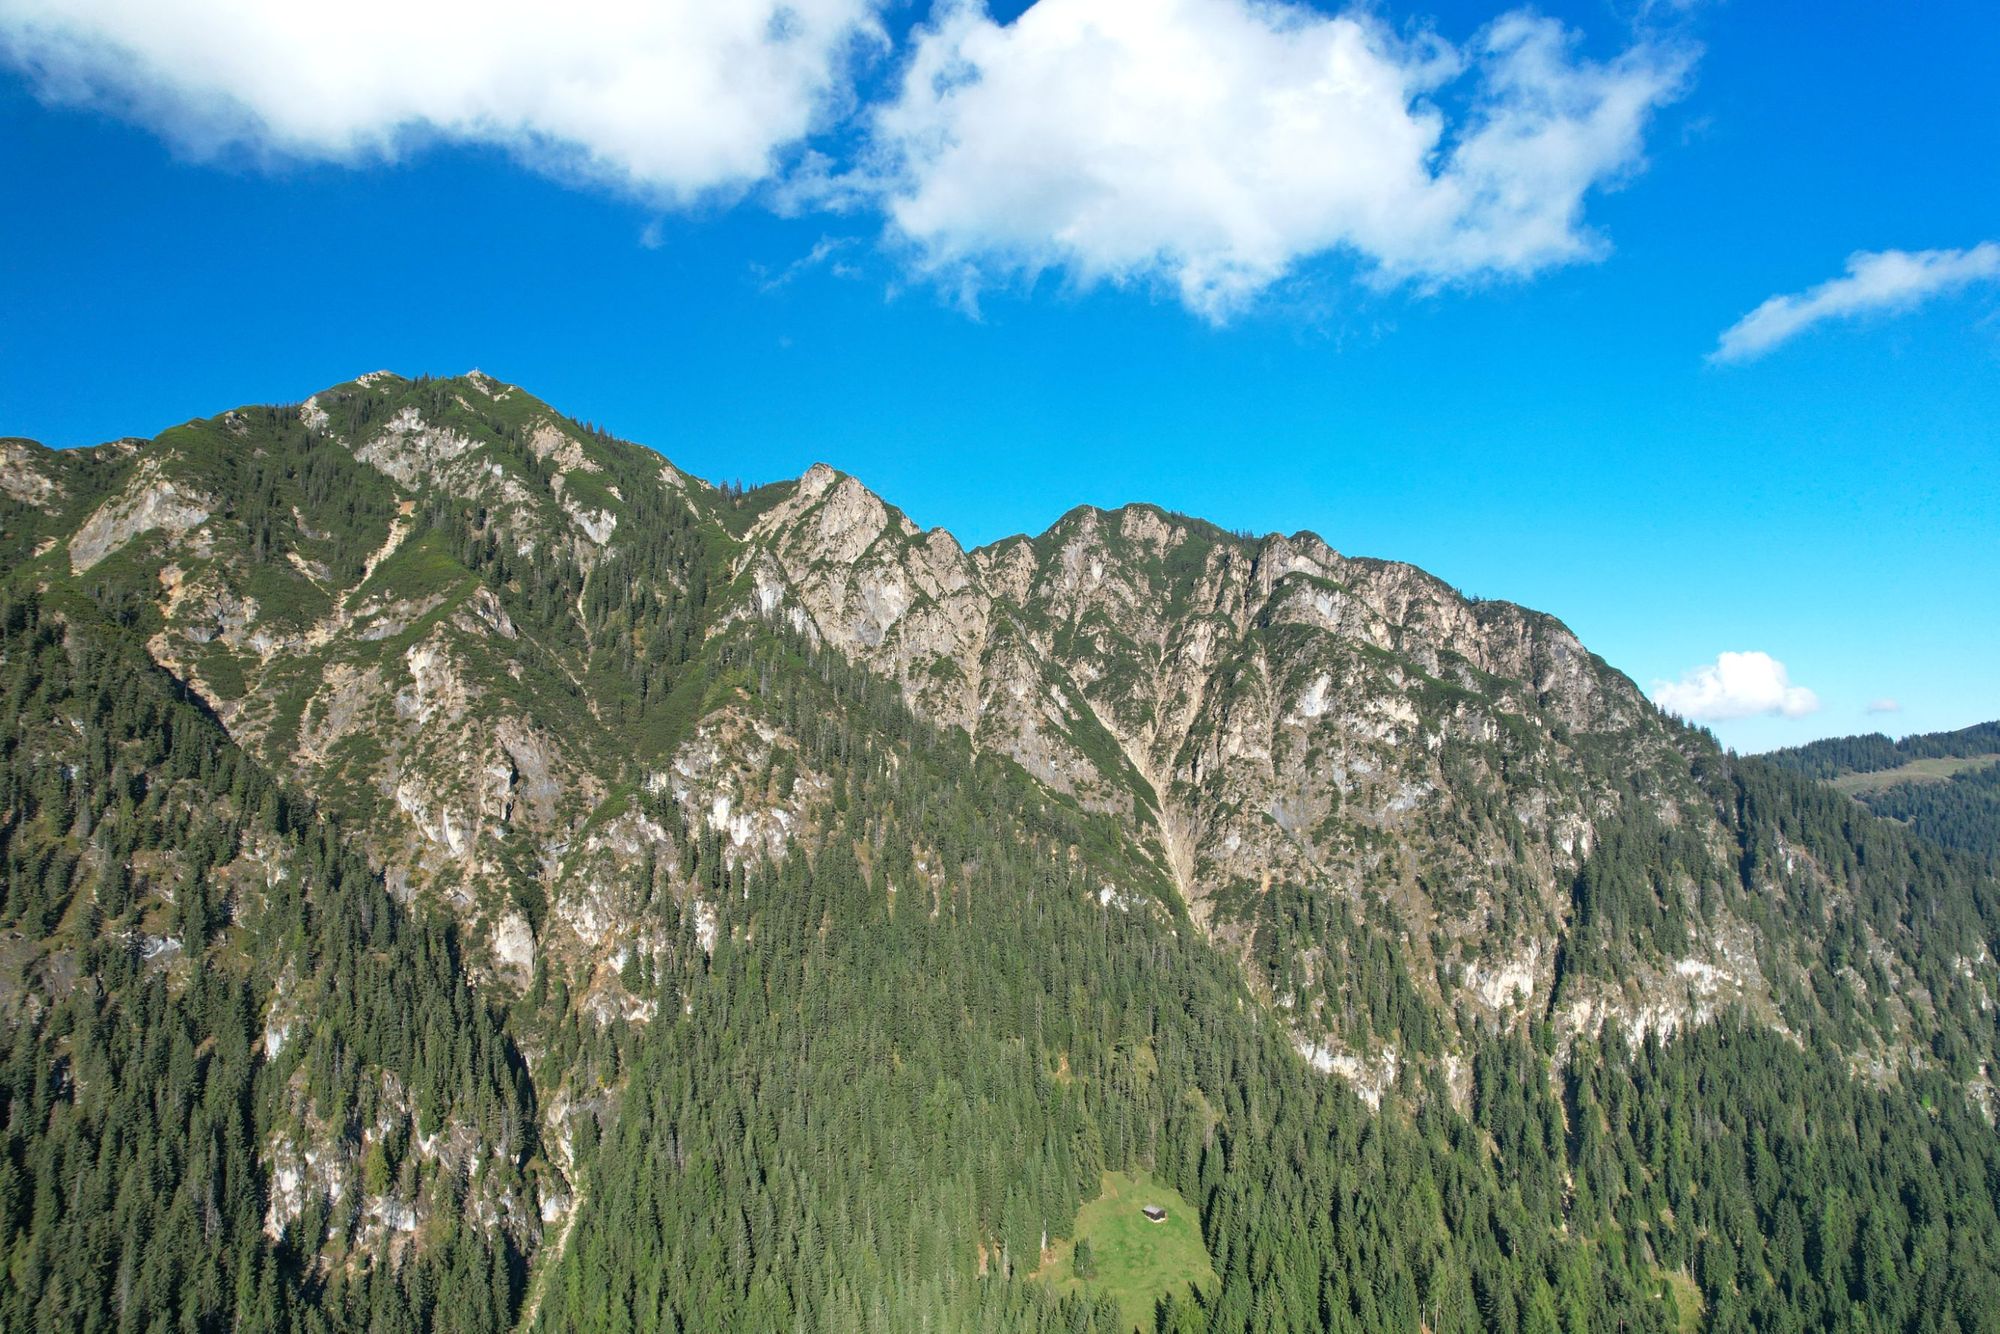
(670, 99)
(1886, 280)
(825, 251)
(1212, 145)
(1735, 685)
(1885, 705)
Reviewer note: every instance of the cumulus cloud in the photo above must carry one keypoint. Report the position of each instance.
(1885, 705)
(670, 99)
(1211, 145)
(1887, 280)
(1214, 144)
(1735, 685)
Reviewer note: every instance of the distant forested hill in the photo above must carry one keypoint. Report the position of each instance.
(1944, 785)
(1875, 753)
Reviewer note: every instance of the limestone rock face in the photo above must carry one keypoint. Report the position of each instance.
(873, 586)
(412, 451)
(150, 501)
(1275, 722)
(22, 477)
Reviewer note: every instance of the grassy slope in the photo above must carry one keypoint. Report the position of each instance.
(1138, 1262)
(1916, 771)
(1687, 1298)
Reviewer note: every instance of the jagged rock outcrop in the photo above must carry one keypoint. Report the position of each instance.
(1266, 714)
(150, 501)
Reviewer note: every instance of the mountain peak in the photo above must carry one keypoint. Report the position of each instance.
(816, 479)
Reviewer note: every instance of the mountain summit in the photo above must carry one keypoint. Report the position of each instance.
(577, 874)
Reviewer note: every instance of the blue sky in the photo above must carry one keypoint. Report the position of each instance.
(1529, 408)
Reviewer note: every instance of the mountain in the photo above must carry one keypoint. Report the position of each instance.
(464, 872)
(1943, 785)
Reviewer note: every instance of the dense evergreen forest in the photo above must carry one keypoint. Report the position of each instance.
(854, 1086)
(158, 888)
(257, 1074)
(1962, 812)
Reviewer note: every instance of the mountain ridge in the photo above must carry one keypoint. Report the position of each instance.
(693, 778)
(1090, 654)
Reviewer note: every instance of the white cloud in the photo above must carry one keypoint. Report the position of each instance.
(1735, 685)
(1885, 705)
(1208, 144)
(1887, 280)
(670, 99)
(827, 250)
(1213, 144)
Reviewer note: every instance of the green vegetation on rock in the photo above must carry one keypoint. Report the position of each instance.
(462, 873)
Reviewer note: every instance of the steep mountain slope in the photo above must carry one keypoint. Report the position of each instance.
(1408, 813)
(219, 1028)
(802, 911)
